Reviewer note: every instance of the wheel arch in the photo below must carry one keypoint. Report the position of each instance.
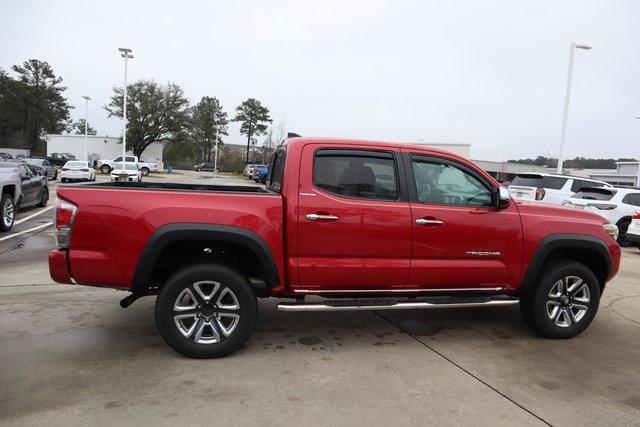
(182, 233)
(589, 250)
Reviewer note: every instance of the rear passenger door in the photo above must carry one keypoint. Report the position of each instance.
(29, 185)
(354, 220)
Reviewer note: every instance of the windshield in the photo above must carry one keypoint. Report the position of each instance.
(127, 166)
(76, 165)
(37, 162)
(594, 194)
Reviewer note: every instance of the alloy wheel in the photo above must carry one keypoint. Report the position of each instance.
(8, 213)
(568, 301)
(206, 312)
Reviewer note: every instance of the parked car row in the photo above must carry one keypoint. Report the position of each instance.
(22, 187)
(616, 204)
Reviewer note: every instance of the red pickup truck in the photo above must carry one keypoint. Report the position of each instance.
(358, 225)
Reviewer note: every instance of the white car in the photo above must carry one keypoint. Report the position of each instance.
(77, 170)
(549, 188)
(633, 232)
(618, 205)
(134, 173)
(106, 166)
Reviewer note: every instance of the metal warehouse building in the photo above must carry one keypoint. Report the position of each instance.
(99, 147)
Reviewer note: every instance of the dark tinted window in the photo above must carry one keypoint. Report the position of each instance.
(594, 194)
(351, 173)
(443, 183)
(579, 183)
(276, 172)
(632, 199)
(550, 182)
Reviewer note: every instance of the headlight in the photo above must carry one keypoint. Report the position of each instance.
(611, 230)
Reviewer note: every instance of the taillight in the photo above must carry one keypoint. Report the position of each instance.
(84, 170)
(65, 214)
(540, 193)
(636, 215)
(603, 206)
(65, 169)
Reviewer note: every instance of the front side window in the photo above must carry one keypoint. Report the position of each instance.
(130, 159)
(349, 173)
(24, 172)
(445, 184)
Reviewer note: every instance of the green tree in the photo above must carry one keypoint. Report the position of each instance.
(254, 120)
(156, 113)
(32, 104)
(209, 122)
(77, 128)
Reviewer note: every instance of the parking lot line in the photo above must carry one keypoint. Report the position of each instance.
(25, 231)
(33, 215)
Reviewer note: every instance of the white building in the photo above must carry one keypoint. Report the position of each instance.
(99, 147)
(625, 174)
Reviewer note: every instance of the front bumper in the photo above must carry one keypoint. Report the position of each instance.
(59, 266)
(634, 239)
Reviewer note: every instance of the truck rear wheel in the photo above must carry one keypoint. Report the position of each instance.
(105, 169)
(564, 300)
(206, 311)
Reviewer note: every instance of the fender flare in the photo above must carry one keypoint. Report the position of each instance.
(564, 241)
(168, 234)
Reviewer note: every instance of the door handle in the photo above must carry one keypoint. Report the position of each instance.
(315, 217)
(423, 221)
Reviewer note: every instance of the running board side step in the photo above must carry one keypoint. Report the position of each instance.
(383, 304)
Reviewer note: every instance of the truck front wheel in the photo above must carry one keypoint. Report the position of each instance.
(563, 301)
(206, 311)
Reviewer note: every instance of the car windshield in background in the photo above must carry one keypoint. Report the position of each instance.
(37, 162)
(76, 165)
(550, 182)
(594, 194)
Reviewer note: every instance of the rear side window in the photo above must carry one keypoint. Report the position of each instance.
(632, 199)
(276, 172)
(549, 182)
(594, 194)
(354, 173)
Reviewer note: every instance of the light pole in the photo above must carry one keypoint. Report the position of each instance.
(567, 98)
(86, 123)
(638, 178)
(126, 54)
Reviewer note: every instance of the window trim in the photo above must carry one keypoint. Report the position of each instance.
(425, 158)
(401, 186)
(272, 162)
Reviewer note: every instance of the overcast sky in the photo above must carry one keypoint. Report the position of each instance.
(488, 73)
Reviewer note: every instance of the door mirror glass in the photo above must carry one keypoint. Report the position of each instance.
(504, 195)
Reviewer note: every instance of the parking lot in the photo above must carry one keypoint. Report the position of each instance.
(71, 353)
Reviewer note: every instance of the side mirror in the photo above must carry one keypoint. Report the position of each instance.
(504, 196)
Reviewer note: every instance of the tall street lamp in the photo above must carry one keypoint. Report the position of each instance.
(567, 98)
(638, 178)
(127, 54)
(86, 121)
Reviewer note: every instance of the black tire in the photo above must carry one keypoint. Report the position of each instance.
(44, 197)
(55, 175)
(105, 169)
(538, 306)
(145, 171)
(623, 226)
(185, 342)
(7, 206)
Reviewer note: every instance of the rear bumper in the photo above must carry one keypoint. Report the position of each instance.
(59, 266)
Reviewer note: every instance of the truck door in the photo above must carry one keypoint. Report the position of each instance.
(354, 220)
(462, 240)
